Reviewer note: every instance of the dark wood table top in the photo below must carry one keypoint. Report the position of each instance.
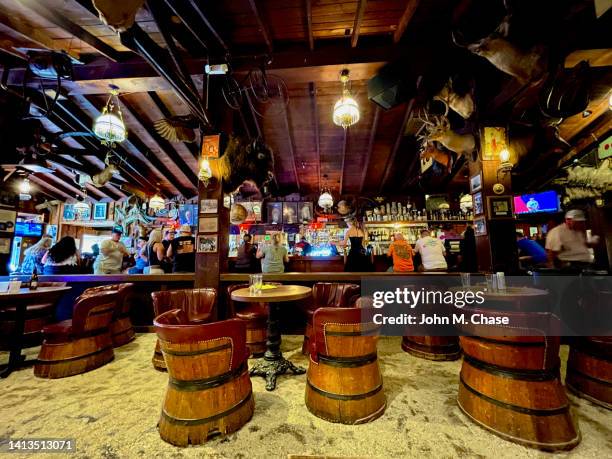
(274, 295)
(26, 293)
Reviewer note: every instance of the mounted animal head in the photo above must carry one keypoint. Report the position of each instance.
(242, 161)
(462, 105)
(439, 130)
(118, 15)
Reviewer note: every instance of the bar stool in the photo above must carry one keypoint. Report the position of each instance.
(37, 316)
(80, 344)
(121, 328)
(209, 388)
(197, 303)
(344, 383)
(511, 384)
(328, 295)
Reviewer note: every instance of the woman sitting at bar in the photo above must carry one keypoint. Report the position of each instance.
(111, 255)
(154, 252)
(34, 255)
(357, 260)
(273, 256)
(62, 258)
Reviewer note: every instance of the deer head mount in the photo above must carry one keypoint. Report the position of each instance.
(438, 129)
(527, 66)
(462, 105)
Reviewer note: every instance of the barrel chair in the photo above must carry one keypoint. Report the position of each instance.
(80, 344)
(328, 295)
(209, 389)
(511, 384)
(344, 383)
(197, 303)
(589, 369)
(37, 316)
(121, 328)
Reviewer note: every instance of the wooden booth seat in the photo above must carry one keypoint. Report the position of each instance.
(328, 295)
(197, 303)
(209, 388)
(121, 328)
(344, 383)
(80, 344)
(37, 316)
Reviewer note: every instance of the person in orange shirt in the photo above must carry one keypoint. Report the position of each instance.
(402, 254)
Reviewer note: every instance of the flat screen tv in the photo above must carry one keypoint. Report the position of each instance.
(547, 201)
(28, 229)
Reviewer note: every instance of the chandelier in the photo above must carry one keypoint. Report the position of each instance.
(109, 126)
(326, 200)
(81, 209)
(346, 110)
(157, 203)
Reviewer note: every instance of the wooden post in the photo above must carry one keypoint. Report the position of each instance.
(496, 249)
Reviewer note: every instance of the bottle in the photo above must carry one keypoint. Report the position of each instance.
(34, 279)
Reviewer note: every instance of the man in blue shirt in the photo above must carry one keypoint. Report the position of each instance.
(530, 252)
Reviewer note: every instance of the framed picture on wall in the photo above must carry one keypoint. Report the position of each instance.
(208, 206)
(187, 214)
(207, 243)
(475, 183)
(83, 214)
(208, 225)
(290, 212)
(275, 212)
(500, 206)
(100, 211)
(305, 212)
(68, 214)
(480, 226)
(478, 206)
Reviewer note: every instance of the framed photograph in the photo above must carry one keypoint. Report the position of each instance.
(500, 206)
(100, 211)
(210, 146)
(275, 213)
(208, 225)
(207, 243)
(68, 214)
(83, 214)
(476, 182)
(253, 209)
(51, 230)
(187, 214)
(208, 206)
(290, 212)
(480, 226)
(305, 212)
(493, 140)
(478, 206)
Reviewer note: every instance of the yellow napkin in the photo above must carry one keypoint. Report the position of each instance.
(268, 286)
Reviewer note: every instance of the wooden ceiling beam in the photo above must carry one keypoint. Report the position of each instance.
(67, 184)
(595, 57)
(254, 115)
(371, 141)
(315, 119)
(396, 145)
(411, 7)
(59, 194)
(357, 23)
(290, 144)
(309, 33)
(204, 18)
(262, 27)
(76, 30)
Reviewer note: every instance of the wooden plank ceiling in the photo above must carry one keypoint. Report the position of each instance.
(307, 41)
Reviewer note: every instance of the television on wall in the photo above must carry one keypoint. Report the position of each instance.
(545, 202)
(28, 229)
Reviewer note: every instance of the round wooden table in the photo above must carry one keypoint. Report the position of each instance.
(20, 299)
(273, 363)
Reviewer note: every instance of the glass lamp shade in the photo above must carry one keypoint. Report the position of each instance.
(110, 128)
(326, 200)
(24, 187)
(205, 172)
(81, 207)
(346, 111)
(504, 155)
(157, 203)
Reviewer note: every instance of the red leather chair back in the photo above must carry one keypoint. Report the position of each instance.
(334, 295)
(197, 303)
(93, 312)
(123, 290)
(347, 324)
(174, 327)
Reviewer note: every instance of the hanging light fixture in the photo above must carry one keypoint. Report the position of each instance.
(346, 110)
(25, 187)
(81, 209)
(109, 126)
(157, 203)
(205, 172)
(326, 200)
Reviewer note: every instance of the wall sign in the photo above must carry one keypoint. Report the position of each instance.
(500, 206)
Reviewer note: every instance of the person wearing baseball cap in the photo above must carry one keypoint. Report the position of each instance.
(567, 245)
(182, 248)
(112, 251)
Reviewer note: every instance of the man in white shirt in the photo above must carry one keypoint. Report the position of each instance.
(432, 253)
(566, 244)
(112, 251)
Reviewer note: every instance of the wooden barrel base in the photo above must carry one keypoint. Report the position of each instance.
(75, 357)
(527, 408)
(589, 375)
(345, 394)
(122, 331)
(438, 348)
(256, 340)
(158, 358)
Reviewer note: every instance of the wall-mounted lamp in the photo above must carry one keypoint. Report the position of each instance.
(205, 172)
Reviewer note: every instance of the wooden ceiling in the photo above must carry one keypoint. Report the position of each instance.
(306, 42)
